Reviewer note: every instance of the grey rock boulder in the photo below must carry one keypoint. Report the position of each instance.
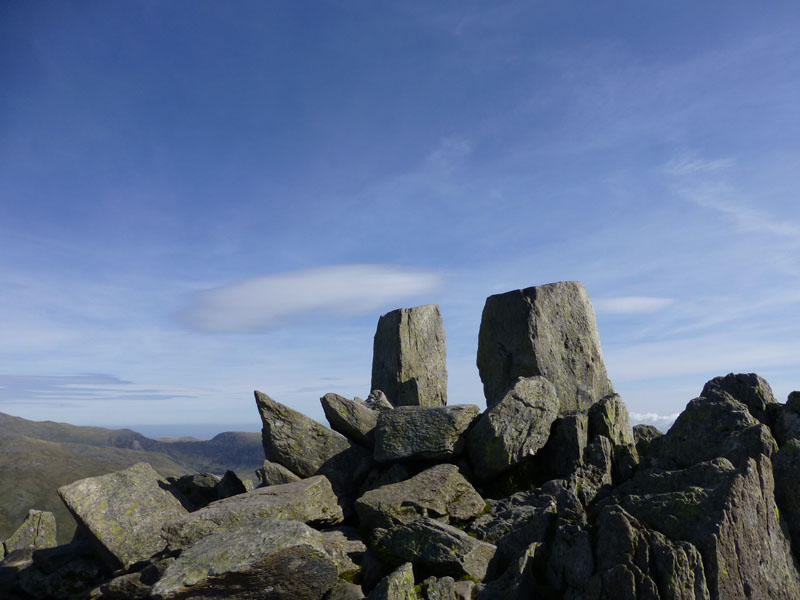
(440, 548)
(409, 357)
(440, 492)
(354, 420)
(643, 435)
(550, 331)
(517, 582)
(397, 585)
(748, 388)
(377, 400)
(345, 546)
(123, 512)
(514, 428)
(271, 559)
(421, 432)
(272, 473)
(198, 489)
(344, 590)
(38, 530)
(609, 417)
(786, 465)
(309, 501)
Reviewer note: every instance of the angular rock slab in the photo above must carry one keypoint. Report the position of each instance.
(409, 357)
(308, 448)
(438, 547)
(124, 512)
(548, 330)
(514, 428)
(274, 559)
(397, 585)
(354, 420)
(421, 432)
(440, 492)
(729, 515)
(38, 530)
(748, 388)
(309, 501)
(271, 473)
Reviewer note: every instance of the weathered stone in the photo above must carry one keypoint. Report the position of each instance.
(37, 531)
(263, 560)
(643, 435)
(440, 492)
(198, 489)
(636, 562)
(570, 560)
(563, 452)
(748, 388)
(72, 579)
(786, 464)
(438, 547)
(709, 428)
(729, 515)
(273, 473)
(421, 432)
(350, 418)
(345, 546)
(123, 512)
(517, 582)
(377, 400)
(308, 448)
(388, 473)
(609, 417)
(309, 501)
(230, 485)
(397, 585)
(547, 330)
(447, 588)
(409, 357)
(514, 428)
(345, 591)
(132, 586)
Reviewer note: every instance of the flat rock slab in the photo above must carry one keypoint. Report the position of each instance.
(38, 530)
(438, 547)
(309, 501)
(124, 512)
(440, 492)
(409, 356)
(274, 559)
(421, 432)
(355, 420)
(271, 473)
(515, 428)
(547, 330)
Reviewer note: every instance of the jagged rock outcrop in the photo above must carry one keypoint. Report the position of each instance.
(37, 531)
(409, 357)
(548, 330)
(548, 494)
(123, 512)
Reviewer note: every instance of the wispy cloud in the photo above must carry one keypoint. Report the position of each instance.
(627, 305)
(264, 302)
(662, 422)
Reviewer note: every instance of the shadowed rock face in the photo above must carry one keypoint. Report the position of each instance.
(547, 330)
(409, 357)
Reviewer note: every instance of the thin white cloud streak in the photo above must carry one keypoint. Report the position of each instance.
(631, 305)
(662, 422)
(263, 302)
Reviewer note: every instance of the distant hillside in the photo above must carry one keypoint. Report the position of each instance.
(36, 457)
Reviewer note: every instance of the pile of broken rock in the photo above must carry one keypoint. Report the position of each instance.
(548, 493)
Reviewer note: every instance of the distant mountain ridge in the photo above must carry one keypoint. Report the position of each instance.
(36, 457)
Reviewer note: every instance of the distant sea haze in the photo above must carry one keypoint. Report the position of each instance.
(198, 431)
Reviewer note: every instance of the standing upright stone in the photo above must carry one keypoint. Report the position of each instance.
(548, 330)
(409, 353)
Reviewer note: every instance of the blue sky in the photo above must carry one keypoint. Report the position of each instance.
(199, 199)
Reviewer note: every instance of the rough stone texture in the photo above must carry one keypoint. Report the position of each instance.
(345, 546)
(123, 512)
(514, 428)
(397, 585)
(609, 417)
(729, 515)
(273, 473)
(436, 546)
(37, 531)
(636, 562)
(643, 435)
(563, 452)
(71, 579)
(786, 464)
(547, 330)
(308, 448)
(199, 489)
(421, 432)
(352, 419)
(409, 357)
(310, 501)
(230, 485)
(264, 560)
(748, 388)
(345, 591)
(709, 428)
(570, 561)
(377, 400)
(132, 586)
(440, 492)
(517, 582)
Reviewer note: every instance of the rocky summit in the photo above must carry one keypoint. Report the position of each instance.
(547, 493)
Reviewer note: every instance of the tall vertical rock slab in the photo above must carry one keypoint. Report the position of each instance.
(548, 330)
(409, 357)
